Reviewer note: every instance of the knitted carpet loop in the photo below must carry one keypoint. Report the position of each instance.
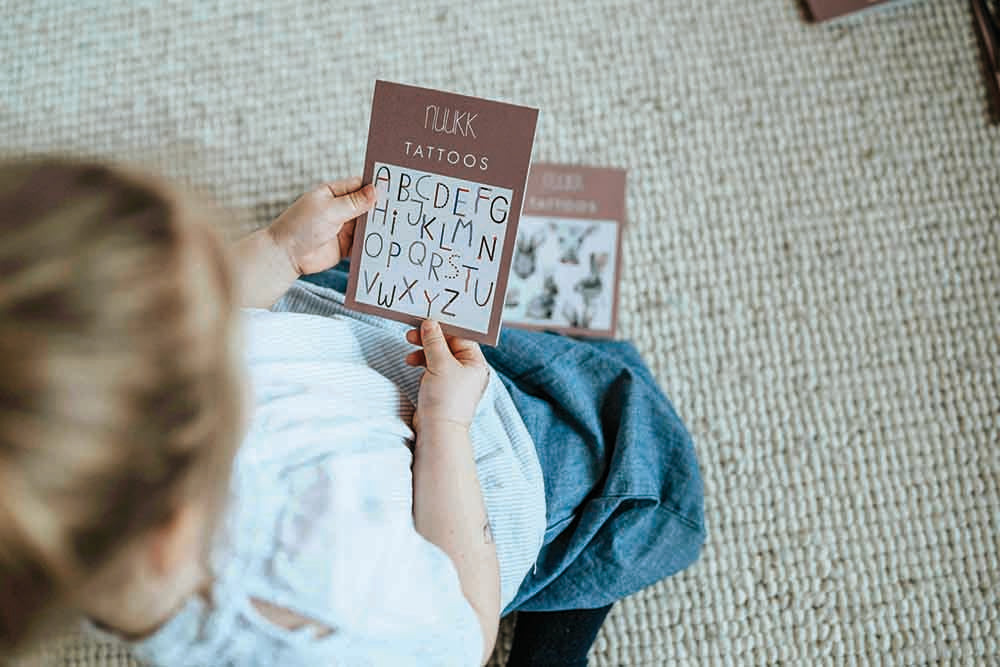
(812, 263)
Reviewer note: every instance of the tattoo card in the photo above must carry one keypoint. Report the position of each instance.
(824, 10)
(449, 174)
(568, 254)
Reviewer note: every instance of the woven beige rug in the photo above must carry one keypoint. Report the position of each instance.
(812, 266)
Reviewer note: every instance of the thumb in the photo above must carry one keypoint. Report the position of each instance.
(351, 204)
(435, 346)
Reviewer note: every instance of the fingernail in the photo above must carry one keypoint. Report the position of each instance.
(362, 198)
(428, 326)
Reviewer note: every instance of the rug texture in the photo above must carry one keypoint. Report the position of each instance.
(812, 264)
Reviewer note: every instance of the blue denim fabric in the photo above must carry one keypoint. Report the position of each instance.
(624, 496)
(335, 278)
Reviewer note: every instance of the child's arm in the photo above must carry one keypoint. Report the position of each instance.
(311, 236)
(448, 507)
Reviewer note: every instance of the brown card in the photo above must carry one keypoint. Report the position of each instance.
(567, 260)
(449, 171)
(824, 10)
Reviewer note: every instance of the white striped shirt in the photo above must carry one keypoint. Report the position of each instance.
(320, 519)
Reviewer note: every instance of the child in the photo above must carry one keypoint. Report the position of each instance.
(323, 492)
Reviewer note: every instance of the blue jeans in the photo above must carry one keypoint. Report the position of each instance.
(624, 496)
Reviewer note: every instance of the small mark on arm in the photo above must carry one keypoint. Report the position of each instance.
(487, 533)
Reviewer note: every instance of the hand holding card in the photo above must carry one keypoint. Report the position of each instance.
(449, 173)
(318, 229)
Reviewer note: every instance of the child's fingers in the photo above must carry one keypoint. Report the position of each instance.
(463, 346)
(436, 349)
(342, 186)
(345, 238)
(416, 358)
(350, 204)
(460, 347)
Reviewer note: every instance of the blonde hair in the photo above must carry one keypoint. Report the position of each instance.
(119, 391)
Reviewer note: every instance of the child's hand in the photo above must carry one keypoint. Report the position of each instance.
(454, 381)
(317, 230)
